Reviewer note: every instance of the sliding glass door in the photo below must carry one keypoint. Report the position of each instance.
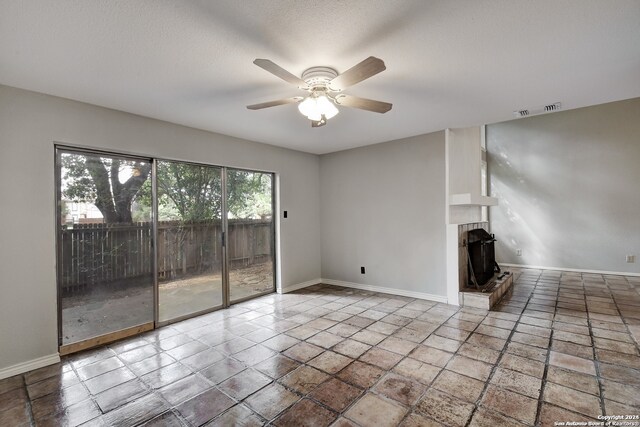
(144, 242)
(105, 252)
(251, 233)
(189, 234)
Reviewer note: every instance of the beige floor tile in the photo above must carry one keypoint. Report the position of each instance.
(330, 362)
(304, 379)
(572, 400)
(623, 359)
(613, 345)
(511, 404)
(499, 323)
(479, 353)
(486, 341)
(569, 327)
(381, 358)
(404, 390)
(336, 394)
(361, 374)
(613, 407)
(461, 386)
(444, 408)
(271, 400)
(351, 348)
(486, 418)
(469, 367)
(452, 333)
(544, 332)
(573, 379)
(550, 415)
(620, 374)
(373, 410)
(306, 413)
(431, 355)
(573, 363)
(571, 337)
(443, 343)
(527, 351)
(518, 382)
(522, 364)
(534, 340)
(415, 420)
(421, 372)
(397, 345)
(493, 331)
(368, 337)
(536, 321)
(586, 352)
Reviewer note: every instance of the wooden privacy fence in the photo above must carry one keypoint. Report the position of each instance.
(91, 255)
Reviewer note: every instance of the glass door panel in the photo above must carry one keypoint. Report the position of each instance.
(189, 227)
(250, 231)
(105, 251)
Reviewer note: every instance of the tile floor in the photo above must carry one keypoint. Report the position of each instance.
(561, 347)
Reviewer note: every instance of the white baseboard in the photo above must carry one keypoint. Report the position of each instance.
(297, 286)
(394, 291)
(575, 270)
(29, 365)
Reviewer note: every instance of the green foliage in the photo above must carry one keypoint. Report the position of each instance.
(77, 185)
(186, 192)
(111, 184)
(193, 191)
(249, 194)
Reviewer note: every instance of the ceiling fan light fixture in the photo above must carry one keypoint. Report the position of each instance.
(322, 83)
(314, 107)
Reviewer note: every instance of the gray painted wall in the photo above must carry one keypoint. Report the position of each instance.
(30, 123)
(383, 207)
(569, 188)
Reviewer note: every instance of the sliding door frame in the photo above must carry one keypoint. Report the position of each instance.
(274, 217)
(160, 323)
(155, 323)
(96, 341)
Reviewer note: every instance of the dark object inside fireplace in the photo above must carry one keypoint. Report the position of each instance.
(482, 259)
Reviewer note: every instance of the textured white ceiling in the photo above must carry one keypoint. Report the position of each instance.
(450, 63)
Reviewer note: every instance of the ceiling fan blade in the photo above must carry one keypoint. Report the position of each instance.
(363, 103)
(278, 71)
(359, 72)
(275, 103)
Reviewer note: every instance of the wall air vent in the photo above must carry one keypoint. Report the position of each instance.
(552, 107)
(538, 110)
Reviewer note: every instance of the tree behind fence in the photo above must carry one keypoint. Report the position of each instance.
(117, 255)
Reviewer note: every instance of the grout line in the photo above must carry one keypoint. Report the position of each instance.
(596, 363)
(504, 350)
(32, 419)
(595, 358)
(624, 320)
(543, 384)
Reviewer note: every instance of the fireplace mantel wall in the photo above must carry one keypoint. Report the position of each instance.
(464, 200)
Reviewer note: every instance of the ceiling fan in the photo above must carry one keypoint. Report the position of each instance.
(325, 85)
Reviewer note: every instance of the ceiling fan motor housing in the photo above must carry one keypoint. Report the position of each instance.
(319, 76)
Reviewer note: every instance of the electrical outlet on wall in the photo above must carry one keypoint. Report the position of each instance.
(631, 258)
(362, 270)
(518, 252)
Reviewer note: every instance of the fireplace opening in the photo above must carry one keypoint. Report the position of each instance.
(482, 265)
